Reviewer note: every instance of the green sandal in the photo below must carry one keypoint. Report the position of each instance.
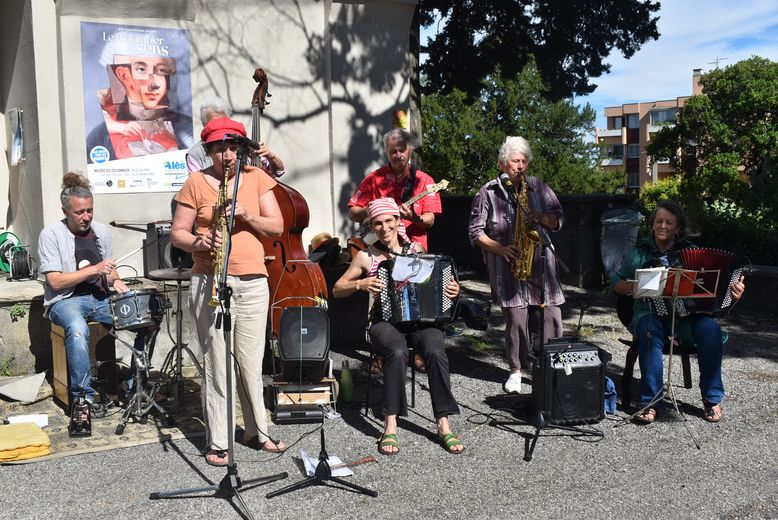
(449, 440)
(388, 440)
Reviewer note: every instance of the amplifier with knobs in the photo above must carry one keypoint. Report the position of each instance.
(568, 382)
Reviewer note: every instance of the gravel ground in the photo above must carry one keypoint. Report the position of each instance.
(652, 471)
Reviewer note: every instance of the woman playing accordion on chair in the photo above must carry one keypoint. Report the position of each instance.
(668, 236)
(384, 215)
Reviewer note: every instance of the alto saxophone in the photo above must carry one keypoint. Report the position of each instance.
(220, 225)
(525, 237)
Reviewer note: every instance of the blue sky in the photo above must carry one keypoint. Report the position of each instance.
(693, 33)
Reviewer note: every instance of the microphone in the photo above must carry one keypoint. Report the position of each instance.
(767, 271)
(245, 141)
(508, 183)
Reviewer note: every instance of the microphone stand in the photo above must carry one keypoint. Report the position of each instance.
(541, 361)
(229, 485)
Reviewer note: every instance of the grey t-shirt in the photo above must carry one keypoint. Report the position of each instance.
(57, 253)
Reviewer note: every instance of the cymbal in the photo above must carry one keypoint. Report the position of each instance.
(171, 273)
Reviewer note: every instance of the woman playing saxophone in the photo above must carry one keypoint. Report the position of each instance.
(204, 201)
(505, 218)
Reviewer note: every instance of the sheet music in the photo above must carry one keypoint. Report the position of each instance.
(412, 269)
(333, 460)
(650, 282)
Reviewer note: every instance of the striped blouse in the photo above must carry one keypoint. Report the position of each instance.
(493, 214)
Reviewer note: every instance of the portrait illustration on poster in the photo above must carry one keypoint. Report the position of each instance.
(137, 106)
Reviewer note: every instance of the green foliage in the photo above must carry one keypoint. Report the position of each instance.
(569, 40)
(666, 189)
(17, 311)
(461, 138)
(729, 186)
(6, 366)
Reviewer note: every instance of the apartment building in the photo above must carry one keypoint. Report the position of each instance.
(630, 128)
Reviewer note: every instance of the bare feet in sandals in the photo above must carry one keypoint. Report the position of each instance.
(448, 440)
(272, 446)
(712, 412)
(216, 457)
(269, 445)
(647, 416)
(388, 443)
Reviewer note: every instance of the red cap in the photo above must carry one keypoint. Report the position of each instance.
(217, 128)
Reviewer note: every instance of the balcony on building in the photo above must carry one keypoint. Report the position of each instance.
(604, 132)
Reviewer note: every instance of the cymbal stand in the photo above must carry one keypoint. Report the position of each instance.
(141, 402)
(174, 359)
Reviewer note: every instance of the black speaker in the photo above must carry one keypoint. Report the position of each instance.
(303, 343)
(159, 253)
(568, 382)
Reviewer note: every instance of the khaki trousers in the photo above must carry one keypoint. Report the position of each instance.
(249, 305)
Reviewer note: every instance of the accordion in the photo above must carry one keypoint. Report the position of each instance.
(712, 274)
(408, 304)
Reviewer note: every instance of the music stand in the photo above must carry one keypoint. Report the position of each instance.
(323, 474)
(683, 284)
(229, 485)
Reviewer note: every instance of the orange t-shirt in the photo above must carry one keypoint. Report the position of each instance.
(247, 256)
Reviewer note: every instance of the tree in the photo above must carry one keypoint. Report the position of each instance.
(462, 138)
(568, 39)
(730, 183)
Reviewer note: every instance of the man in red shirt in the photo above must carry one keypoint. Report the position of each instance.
(400, 181)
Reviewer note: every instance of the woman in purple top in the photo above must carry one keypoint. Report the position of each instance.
(492, 220)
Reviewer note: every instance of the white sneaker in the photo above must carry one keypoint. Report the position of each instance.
(513, 384)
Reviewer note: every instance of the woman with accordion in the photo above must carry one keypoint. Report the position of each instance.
(668, 236)
(392, 343)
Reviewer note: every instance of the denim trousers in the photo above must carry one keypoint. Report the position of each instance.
(73, 314)
(393, 345)
(249, 307)
(651, 333)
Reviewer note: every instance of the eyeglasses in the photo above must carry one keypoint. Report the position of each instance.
(140, 70)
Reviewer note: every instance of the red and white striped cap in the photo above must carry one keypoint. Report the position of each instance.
(387, 206)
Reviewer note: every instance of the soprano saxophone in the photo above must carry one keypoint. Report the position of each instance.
(220, 225)
(524, 236)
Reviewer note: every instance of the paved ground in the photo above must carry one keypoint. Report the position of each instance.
(633, 471)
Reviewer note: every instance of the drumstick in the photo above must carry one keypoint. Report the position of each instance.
(125, 257)
(357, 462)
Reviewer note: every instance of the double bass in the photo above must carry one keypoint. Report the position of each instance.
(294, 281)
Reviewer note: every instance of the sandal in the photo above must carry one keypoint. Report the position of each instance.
(216, 458)
(278, 446)
(450, 441)
(712, 412)
(377, 366)
(647, 416)
(272, 446)
(388, 440)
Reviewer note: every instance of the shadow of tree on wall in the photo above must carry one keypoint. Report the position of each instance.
(367, 56)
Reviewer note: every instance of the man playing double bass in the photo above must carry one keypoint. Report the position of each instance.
(400, 181)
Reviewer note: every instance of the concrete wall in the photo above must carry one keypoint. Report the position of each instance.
(24, 59)
(337, 71)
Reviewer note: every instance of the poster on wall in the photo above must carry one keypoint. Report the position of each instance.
(137, 107)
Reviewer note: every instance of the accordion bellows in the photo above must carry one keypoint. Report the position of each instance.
(713, 278)
(411, 304)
